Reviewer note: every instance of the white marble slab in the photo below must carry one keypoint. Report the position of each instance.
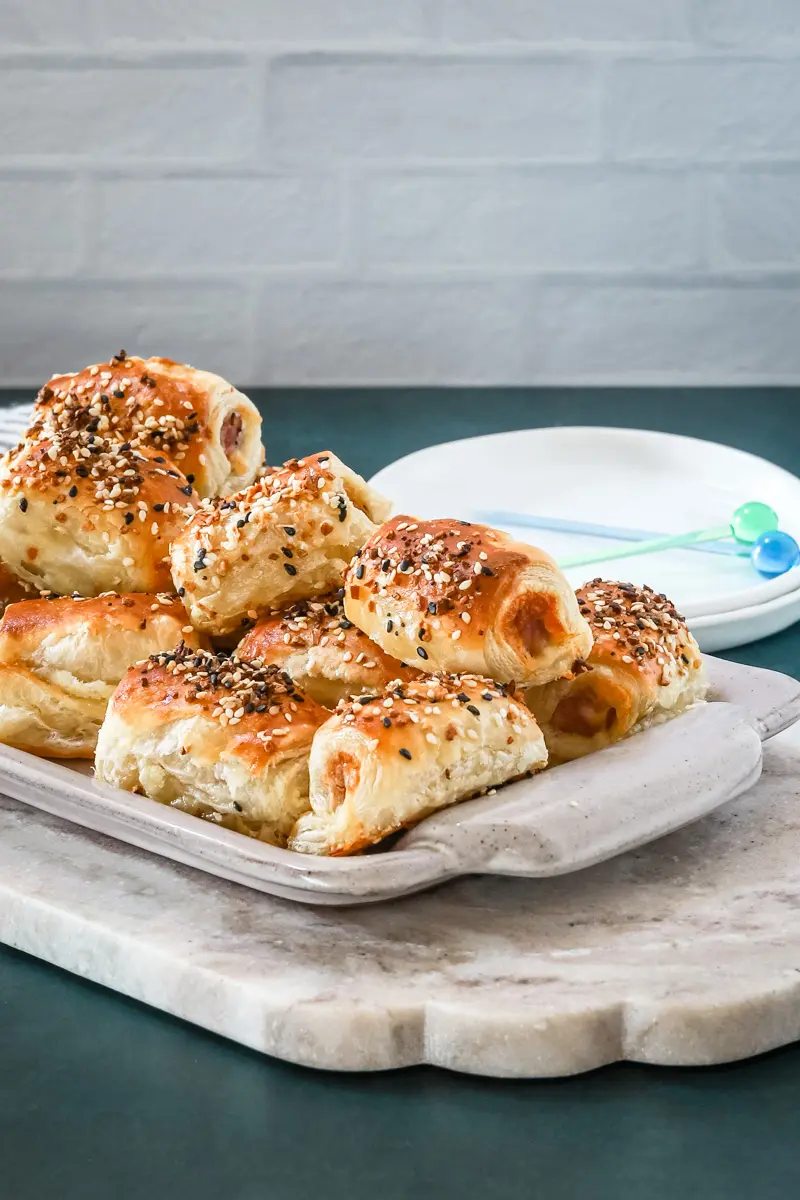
(686, 951)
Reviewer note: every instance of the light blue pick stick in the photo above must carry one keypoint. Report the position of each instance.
(753, 527)
(617, 533)
(747, 525)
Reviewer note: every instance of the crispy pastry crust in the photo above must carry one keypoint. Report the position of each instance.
(381, 764)
(211, 734)
(644, 667)
(60, 661)
(324, 653)
(13, 589)
(454, 596)
(288, 537)
(211, 431)
(79, 513)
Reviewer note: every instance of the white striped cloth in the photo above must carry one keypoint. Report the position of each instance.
(13, 423)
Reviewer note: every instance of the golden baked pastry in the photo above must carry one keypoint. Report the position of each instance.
(644, 667)
(13, 589)
(324, 653)
(208, 733)
(288, 537)
(382, 763)
(61, 659)
(211, 431)
(452, 596)
(80, 513)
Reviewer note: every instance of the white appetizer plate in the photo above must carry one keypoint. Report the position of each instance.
(713, 633)
(565, 819)
(621, 477)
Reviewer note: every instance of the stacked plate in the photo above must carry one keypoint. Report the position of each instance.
(654, 482)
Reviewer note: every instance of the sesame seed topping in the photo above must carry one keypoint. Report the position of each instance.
(420, 705)
(441, 567)
(114, 476)
(643, 624)
(229, 689)
(140, 405)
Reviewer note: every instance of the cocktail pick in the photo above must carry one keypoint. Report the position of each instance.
(750, 523)
(774, 553)
(503, 519)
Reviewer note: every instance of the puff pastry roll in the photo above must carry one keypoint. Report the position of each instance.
(381, 763)
(644, 667)
(61, 659)
(13, 589)
(210, 734)
(324, 653)
(288, 537)
(452, 596)
(209, 430)
(79, 513)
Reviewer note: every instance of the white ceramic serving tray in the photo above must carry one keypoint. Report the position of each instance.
(662, 482)
(568, 818)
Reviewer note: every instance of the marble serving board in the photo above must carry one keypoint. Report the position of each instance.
(683, 952)
(562, 820)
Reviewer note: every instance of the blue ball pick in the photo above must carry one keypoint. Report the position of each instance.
(774, 553)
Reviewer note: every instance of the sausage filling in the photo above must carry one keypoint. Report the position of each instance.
(342, 776)
(230, 434)
(584, 713)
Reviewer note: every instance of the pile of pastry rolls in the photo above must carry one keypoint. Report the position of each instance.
(264, 647)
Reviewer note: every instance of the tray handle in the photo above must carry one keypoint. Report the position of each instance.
(771, 698)
(588, 811)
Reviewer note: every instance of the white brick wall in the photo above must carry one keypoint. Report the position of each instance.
(425, 191)
(704, 111)
(41, 226)
(609, 21)
(522, 218)
(244, 22)
(96, 113)
(238, 223)
(756, 219)
(51, 327)
(345, 111)
(750, 24)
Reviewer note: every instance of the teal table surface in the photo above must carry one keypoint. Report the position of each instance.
(103, 1098)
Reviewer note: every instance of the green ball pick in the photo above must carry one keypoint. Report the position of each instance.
(751, 520)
